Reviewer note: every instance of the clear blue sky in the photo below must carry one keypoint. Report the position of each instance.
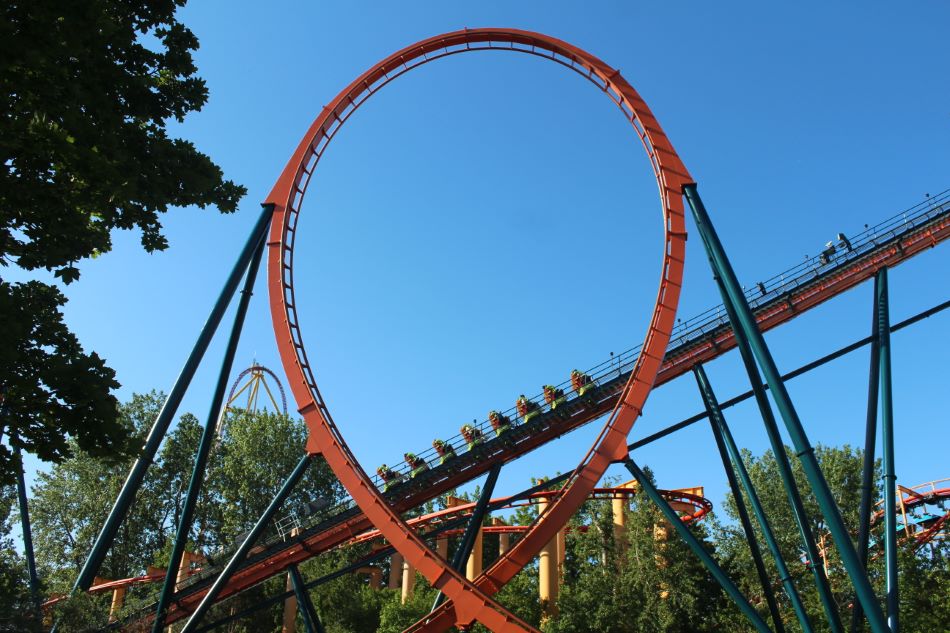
(488, 222)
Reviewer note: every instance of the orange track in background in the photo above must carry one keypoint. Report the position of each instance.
(701, 507)
(470, 601)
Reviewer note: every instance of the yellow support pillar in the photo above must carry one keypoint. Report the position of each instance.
(618, 505)
(290, 609)
(395, 571)
(548, 573)
(118, 600)
(184, 568)
(473, 569)
(504, 539)
(408, 580)
(375, 575)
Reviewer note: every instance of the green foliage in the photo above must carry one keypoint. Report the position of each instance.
(249, 462)
(394, 616)
(924, 576)
(51, 388)
(71, 501)
(649, 581)
(255, 455)
(80, 613)
(346, 604)
(842, 469)
(87, 90)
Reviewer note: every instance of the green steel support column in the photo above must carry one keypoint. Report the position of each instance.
(25, 526)
(208, 437)
(828, 603)
(311, 619)
(471, 531)
(248, 543)
(729, 451)
(746, 328)
(164, 419)
(887, 446)
(728, 586)
(870, 439)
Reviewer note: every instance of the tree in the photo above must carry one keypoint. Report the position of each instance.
(650, 581)
(51, 389)
(250, 460)
(924, 576)
(87, 91)
(71, 501)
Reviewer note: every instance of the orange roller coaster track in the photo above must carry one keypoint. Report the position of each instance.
(471, 600)
(698, 339)
(621, 385)
(693, 507)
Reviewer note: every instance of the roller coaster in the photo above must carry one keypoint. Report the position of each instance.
(695, 340)
(444, 524)
(615, 390)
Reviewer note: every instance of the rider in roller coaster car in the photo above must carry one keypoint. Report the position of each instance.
(444, 449)
(389, 476)
(553, 396)
(472, 435)
(416, 464)
(581, 383)
(499, 422)
(527, 409)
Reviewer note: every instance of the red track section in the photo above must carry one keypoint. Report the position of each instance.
(701, 507)
(470, 601)
(718, 342)
(917, 497)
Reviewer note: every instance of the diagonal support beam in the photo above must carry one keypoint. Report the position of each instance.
(307, 611)
(248, 543)
(802, 521)
(160, 427)
(795, 373)
(746, 328)
(204, 447)
(729, 459)
(474, 525)
(727, 444)
(724, 581)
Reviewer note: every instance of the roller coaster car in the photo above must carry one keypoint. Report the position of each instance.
(389, 476)
(416, 464)
(527, 409)
(581, 383)
(499, 422)
(473, 436)
(554, 396)
(444, 449)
